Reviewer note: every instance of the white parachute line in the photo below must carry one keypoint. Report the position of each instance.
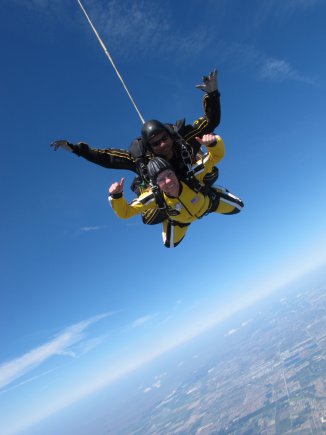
(111, 60)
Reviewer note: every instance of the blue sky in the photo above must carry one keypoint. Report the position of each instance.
(86, 297)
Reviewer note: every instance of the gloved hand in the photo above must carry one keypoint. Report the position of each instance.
(208, 140)
(62, 144)
(209, 83)
(117, 187)
(77, 148)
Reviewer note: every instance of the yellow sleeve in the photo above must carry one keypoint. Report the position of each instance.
(215, 154)
(125, 211)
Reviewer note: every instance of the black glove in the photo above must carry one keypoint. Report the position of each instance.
(209, 83)
(78, 148)
(64, 144)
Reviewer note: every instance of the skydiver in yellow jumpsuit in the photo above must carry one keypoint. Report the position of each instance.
(184, 203)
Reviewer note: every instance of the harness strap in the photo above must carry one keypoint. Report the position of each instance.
(159, 197)
(178, 224)
(138, 152)
(142, 170)
(186, 157)
(160, 201)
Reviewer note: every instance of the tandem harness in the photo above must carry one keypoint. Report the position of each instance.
(183, 149)
(192, 181)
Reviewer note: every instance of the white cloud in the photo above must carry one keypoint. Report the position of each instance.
(156, 384)
(192, 390)
(87, 345)
(60, 345)
(231, 332)
(147, 390)
(160, 376)
(94, 228)
(248, 57)
(276, 69)
(128, 22)
(280, 70)
(31, 4)
(27, 381)
(133, 28)
(279, 10)
(48, 6)
(246, 322)
(142, 320)
(292, 5)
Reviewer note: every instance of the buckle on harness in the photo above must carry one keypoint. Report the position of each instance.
(158, 197)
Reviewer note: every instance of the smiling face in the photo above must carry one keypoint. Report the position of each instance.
(162, 145)
(168, 182)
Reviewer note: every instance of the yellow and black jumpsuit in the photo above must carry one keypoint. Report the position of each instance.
(113, 158)
(189, 206)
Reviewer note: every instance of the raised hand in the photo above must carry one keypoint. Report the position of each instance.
(116, 187)
(207, 140)
(64, 144)
(209, 84)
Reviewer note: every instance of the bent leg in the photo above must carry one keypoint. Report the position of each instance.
(173, 233)
(211, 177)
(228, 203)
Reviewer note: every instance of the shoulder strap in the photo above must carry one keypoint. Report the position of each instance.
(137, 150)
(159, 198)
(160, 201)
(185, 152)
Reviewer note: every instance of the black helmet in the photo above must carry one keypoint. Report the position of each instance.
(151, 129)
(156, 166)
